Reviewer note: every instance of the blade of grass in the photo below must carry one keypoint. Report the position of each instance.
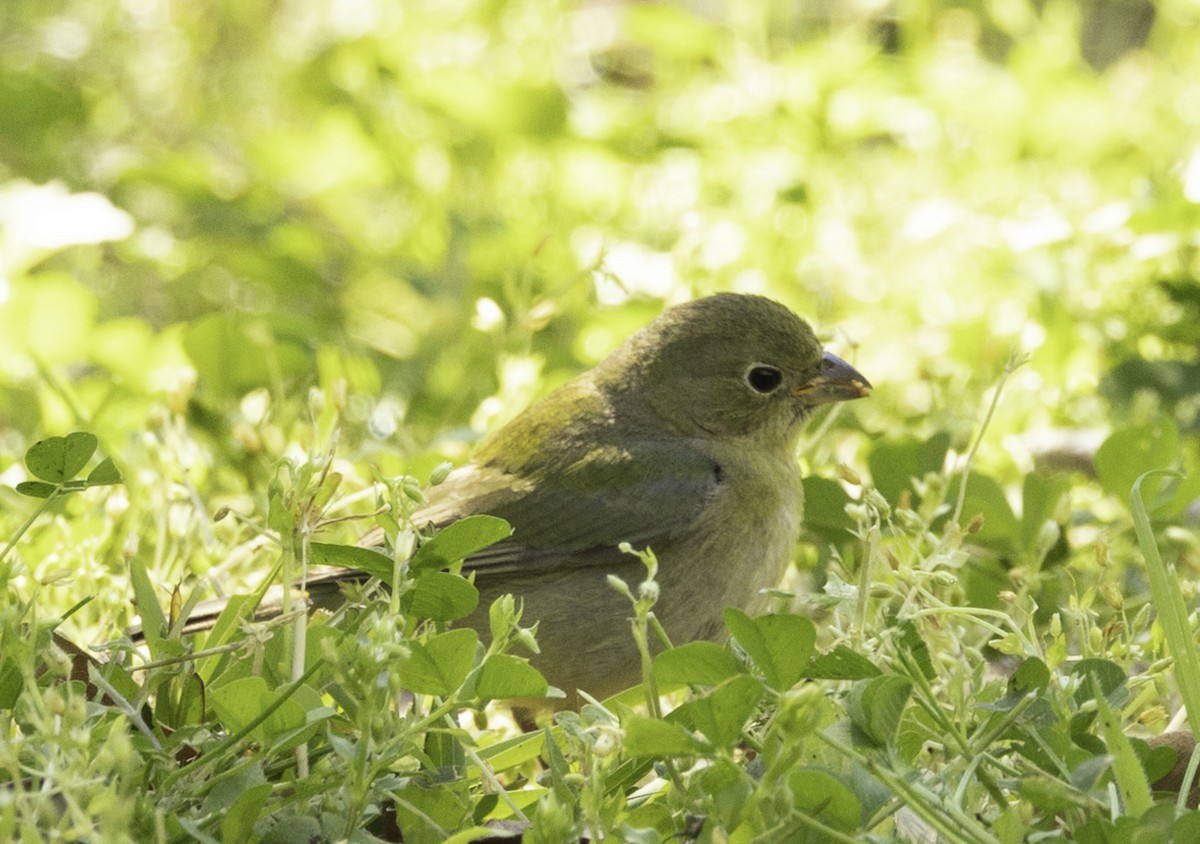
(1127, 769)
(1168, 601)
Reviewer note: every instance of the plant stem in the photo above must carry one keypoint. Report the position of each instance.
(1014, 361)
(28, 523)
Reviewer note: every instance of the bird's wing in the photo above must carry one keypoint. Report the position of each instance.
(593, 503)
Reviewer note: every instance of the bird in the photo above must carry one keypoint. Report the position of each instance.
(682, 441)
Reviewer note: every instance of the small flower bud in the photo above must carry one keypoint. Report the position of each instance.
(909, 521)
(526, 636)
(648, 590)
(848, 475)
(440, 473)
(316, 401)
(411, 489)
(620, 585)
(605, 743)
(1152, 715)
(876, 500)
(55, 576)
(892, 560)
(1112, 595)
(944, 578)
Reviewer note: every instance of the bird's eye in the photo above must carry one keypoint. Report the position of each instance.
(764, 379)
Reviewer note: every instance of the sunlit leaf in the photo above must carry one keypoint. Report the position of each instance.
(59, 459)
(779, 645)
(700, 663)
(438, 666)
(442, 596)
(105, 474)
(459, 540)
(504, 676)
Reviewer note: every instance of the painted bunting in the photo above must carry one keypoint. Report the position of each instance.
(683, 440)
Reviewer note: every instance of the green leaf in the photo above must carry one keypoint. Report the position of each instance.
(239, 702)
(1051, 794)
(825, 509)
(1187, 827)
(238, 822)
(1154, 826)
(1168, 600)
(438, 666)
(471, 835)
(511, 752)
(279, 517)
(1109, 675)
(985, 497)
(226, 786)
(1128, 453)
(875, 707)
(821, 795)
(58, 459)
(11, 682)
(654, 737)
(914, 646)
(841, 663)
(1156, 761)
(895, 462)
(237, 609)
(1032, 675)
(560, 769)
(442, 596)
(696, 663)
(721, 714)
(105, 474)
(1041, 495)
(36, 489)
(292, 828)
(780, 645)
(459, 540)
(1089, 773)
(425, 812)
(504, 676)
(154, 620)
(371, 560)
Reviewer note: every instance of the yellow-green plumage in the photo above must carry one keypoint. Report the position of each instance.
(665, 444)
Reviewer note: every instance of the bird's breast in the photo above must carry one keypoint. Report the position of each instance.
(735, 550)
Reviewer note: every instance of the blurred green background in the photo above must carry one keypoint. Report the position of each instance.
(209, 208)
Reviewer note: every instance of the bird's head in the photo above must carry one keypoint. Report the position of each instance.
(728, 366)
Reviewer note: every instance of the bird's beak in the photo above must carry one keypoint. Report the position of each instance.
(837, 381)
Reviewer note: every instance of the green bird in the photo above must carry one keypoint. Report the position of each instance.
(683, 441)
